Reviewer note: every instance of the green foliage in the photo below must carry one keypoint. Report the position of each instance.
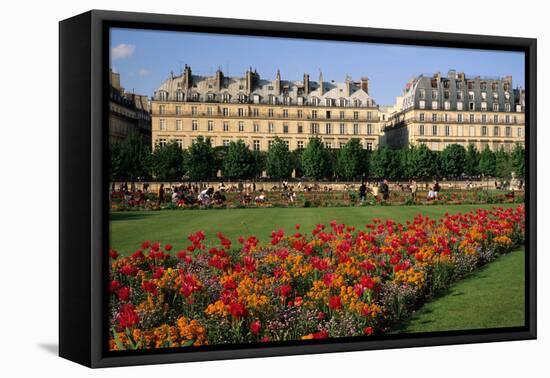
(315, 159)
(297, 161)
(279, 161)
(199, 160)
(351, 160)
(167, 162)
(422, 162)
(130, 159)
(239, 162)
(503, 164)
(453, 160)
(260, 162)
(517, 160)
(487, 162)
(471, 163)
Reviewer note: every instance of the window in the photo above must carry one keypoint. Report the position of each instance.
(421, 130)
(507, 107)
(472, 106)
(447, 105)
(520, 132)
(342, 115)
(300, 128)
(484, 95)
(179, 142)
(161, 142)
(270, 127)
(163, 95)
(225, 112)
(496, 131)
(422, 117)
(314, 129)
(162, 123)
(240, 112)
(256, 145)
(178, 109)
(460, 96)
(459, 105)
(434, 117)
(459, 118)
(356, 115)
(162, 109)
(422, 94)
(194, 125)
(507, 119)
(369, 116)
(314, 114)
(210, 125)
(225, 97)
(434, 94)
(179, 125)
(287, 144)
(225, 143)
(342, 128)
(209, 111)
(328, 128)
(271, 98)
(471, 96)
(285, 128)
(256, 99)
(446, 95)
(447, 130)
(328, 144)
(472, 131)
(495, 118)
(459, 131)
(256, 128)
(495, 106)
(472, 118)
(484, 131)
(210, 97)
(226, 126)
(355, 128)
(508, 131)
(369, 146)
(255, 112)
(328, 114)
(285, 113)
(270, 112)
(194, 110)
(484, 118)
(300, 144)
(434, 130)
(241, 126)
(369, 128)
(446, 117)
(422, 104)
(483, 105)
(300, 113)
(435, 105)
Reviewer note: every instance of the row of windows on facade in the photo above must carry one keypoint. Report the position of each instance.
(471, 106)
(242, 112)
(448, 129)
(471, 84)
(257, 99)
(438, 146)
(471, 117)
(256, 144)
(314, 128)
(460, 95)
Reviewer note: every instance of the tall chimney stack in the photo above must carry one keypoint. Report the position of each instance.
(365, 84)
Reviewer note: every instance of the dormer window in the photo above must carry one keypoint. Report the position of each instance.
(195, 96)
(210, 97)
(286, 100)
(163, 96)
(256, 98)
(179, 96)
(342, 102)
(271, 99)
(226, 97)
(357, 103)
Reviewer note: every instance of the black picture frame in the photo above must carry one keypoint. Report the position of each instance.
(84, 224)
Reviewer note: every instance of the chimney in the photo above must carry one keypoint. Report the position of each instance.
(306, 84)
(187, 77)
(365, 84)
(348, 86)
(278, 82)
(321, 88)
(219, 79)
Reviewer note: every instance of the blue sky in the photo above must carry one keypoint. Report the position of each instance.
(145, 58)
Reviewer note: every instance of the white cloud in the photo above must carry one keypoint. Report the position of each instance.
(144, 72)
(122, 51)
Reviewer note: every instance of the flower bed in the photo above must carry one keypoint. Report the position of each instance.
(336, 281)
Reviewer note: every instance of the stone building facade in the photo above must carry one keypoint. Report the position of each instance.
(128, 112)
(439, 111)
(257, 110)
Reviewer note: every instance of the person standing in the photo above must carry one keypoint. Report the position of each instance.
(385, 190)
(161, 194)
(414, 189)
(363, 192)
(436, 188)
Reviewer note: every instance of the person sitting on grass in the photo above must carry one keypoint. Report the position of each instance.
(432, 194)
(262, 198)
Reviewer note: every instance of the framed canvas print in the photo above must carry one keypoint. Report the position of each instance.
(237, 188)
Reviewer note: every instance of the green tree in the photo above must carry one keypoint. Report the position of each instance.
(487, 162)
(130, 159)
(279, 161)
(167, 162)
(239, 162)
(260, 162)
(386, 163)
(503, 165)
(422, 162)
(351, 160)
(517, 160)
(471, 164)
(200, 161)
(453, 160)
(315, 159)
(297, 161)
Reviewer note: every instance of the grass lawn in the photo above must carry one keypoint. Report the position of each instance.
(491, 297)
(129, 229)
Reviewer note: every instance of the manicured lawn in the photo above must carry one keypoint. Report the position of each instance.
(491, 297)
(129, 229)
